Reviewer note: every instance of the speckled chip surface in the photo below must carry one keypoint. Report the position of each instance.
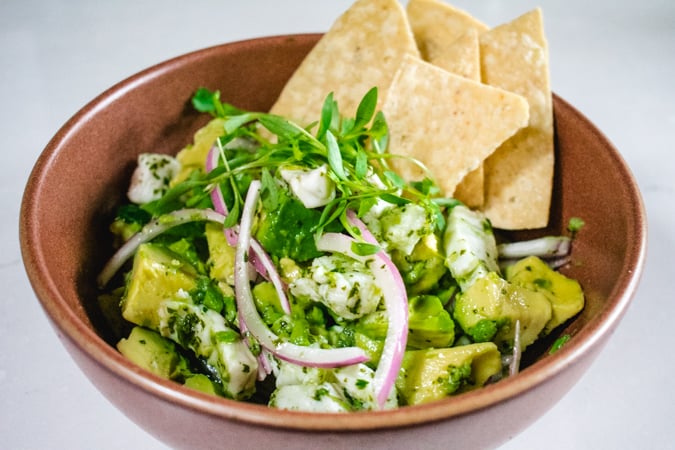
(448, 38)
(447, 122)
(519, 175)
(435, 25)
(362, 49)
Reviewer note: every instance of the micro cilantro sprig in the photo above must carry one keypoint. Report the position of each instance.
(354, 149)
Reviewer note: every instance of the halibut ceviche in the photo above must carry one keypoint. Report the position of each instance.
(277, 265)
(337, 253)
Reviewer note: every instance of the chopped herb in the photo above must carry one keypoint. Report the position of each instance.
(559, 343)
(575, 224)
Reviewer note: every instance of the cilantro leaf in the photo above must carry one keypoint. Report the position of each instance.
(364, 248)
(207, 101)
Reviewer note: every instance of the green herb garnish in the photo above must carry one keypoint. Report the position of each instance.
(559, 343)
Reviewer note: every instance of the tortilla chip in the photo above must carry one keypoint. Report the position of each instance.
(462, 57)
(448, 38)
(519, 175)
(436, 24)
(449, 123)
(362, 49)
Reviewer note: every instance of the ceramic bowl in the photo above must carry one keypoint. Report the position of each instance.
(84, 171)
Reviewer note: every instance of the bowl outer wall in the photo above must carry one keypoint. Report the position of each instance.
(150, 112)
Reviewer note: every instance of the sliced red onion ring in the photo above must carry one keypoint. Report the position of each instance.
(264, 367)
(249, 317)
(217, 195)
(259, 258)
(390, 282)
(150, 231)
(367, 236)
(265, 267)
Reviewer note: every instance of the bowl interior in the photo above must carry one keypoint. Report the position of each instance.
(84, 172)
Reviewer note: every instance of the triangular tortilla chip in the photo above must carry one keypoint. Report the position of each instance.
(449, 123)
(462, 57)
(437, 26)
(519, 176)
(362, 49)
(448, 38)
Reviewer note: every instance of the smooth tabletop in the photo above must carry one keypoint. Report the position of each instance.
(613, 60)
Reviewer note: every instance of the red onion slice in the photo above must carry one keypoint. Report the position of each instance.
(249, 317)
(264, 367)
(390, 282)
(150, 231)
(259, 258)
(399, 284)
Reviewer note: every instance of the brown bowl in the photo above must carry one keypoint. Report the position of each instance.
(83, 172)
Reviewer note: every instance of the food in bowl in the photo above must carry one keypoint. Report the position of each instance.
(293, 264)
(65, 242)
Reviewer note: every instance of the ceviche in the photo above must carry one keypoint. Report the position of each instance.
(291, 265)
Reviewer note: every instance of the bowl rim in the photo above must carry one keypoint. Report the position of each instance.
(69, 327)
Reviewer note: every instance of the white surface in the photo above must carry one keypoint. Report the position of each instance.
(612, 59)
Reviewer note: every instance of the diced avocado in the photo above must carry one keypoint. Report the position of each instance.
(194, 155)
(221, 254)
(201, 382)
(157, 275)
(301, 328)
(266, 297)
(429, 325)
(369, 334)
(153, 352)
(289, 270)
(373, 347)
(565, 294)
(423, 268)
(432, 374)
(493, 304)
(109, 305)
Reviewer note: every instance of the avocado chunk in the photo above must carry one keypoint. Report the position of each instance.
(433, 374)
(202, 383)
(423, 267)
(192, 157)
(153, 352)
(157, 275)
(429, 324)
(489, 309)
(221, 254)
(369, 334)
(565, 294)
(109, 305)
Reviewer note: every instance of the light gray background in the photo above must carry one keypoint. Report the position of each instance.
(612, 59)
